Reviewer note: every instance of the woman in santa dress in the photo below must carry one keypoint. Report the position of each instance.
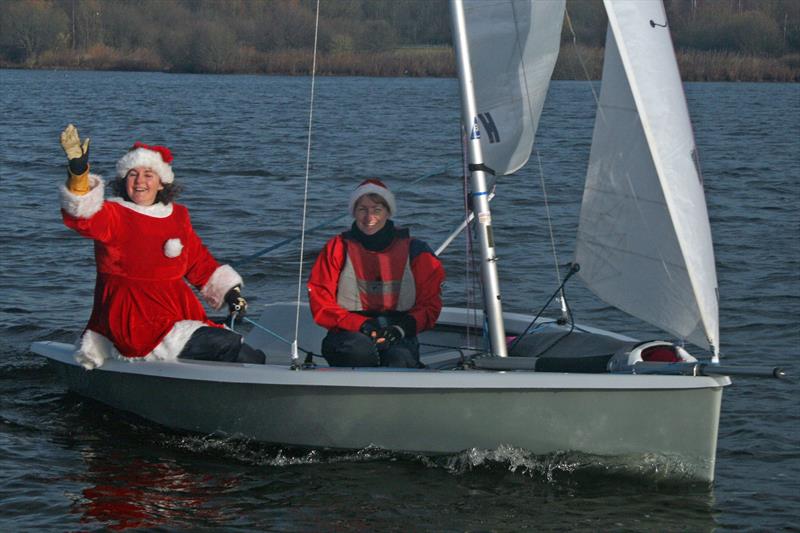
(146, 251)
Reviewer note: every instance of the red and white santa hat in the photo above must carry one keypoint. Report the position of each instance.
(158, 158)
(373, 186)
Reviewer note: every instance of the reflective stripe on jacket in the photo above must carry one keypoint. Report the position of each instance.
(427, 276)
(376, 281)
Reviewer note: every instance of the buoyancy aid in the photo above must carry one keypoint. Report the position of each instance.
(377, 281)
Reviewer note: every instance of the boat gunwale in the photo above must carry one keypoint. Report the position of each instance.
(388, 378)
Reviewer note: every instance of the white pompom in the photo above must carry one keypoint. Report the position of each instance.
(173, 248)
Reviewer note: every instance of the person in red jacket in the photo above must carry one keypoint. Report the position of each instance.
(374, 287)
(145, 247)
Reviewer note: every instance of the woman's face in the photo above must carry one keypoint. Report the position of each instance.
(142, 185)
(370, 216)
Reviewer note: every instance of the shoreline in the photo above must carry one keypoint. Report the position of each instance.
(574, 63)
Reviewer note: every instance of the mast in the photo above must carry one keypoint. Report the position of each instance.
(480, 196)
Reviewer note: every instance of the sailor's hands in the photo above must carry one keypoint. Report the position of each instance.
(370, 328)
(382, 334)
(409, 325)
(77, 154)
(389, 336)
(237, 305)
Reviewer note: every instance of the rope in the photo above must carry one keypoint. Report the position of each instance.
(573, 269)
(563, 297)
(305, 189)
(547, 214)
(469, 252)
(276, 335)
(580, 58)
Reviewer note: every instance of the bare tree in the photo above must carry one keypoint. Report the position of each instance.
(32, 26)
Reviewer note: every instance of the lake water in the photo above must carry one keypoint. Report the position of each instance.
(240, 144)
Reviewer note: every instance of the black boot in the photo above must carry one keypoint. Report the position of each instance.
(248, 354)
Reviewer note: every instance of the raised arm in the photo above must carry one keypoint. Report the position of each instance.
(78, 157)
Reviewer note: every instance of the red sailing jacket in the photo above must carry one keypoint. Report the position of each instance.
(348, 278)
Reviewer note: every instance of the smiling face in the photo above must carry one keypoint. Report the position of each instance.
(142, 185)
(371, 214)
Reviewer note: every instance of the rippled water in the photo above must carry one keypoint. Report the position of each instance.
(67, 463)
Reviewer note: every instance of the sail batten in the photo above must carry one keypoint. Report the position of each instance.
(644, 241)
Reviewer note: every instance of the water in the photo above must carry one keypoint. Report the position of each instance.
(67, 463)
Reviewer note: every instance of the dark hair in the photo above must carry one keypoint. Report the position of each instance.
(376, 198)
(165, 196)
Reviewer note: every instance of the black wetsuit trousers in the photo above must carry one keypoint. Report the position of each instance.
(218, 344)
(354, 349)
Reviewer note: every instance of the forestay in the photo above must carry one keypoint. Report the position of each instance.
(644, 241)
(513, 47)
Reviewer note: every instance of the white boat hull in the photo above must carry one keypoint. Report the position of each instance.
(428, 411)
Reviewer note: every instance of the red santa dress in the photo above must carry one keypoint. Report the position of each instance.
(143, 308)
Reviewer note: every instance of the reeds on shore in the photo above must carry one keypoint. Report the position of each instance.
(575, 62)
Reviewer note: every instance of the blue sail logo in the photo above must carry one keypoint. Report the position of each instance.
(476, 130)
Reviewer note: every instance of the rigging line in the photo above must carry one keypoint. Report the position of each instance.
(533, 122)
(469, 259)
(547, 214)
(274, 334)
(305, 190)
(580, 57)
(324, 224)
(459, 349)
(563, 296)
(573, 269)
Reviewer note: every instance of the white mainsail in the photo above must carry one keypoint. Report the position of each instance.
(644, 241)
(513, 50)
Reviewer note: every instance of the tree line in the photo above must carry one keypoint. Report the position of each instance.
(715, 39)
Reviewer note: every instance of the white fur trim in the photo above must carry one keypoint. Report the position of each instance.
(84, 205)
(93, 350)
(221, 281)
(142, 157)
(173, 247)
(157, 210)
(174, 341)
(371, 188)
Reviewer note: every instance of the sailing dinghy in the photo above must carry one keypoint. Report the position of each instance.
(643, 245)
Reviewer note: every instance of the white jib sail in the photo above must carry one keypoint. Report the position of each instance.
(644, 241)
(513, 47)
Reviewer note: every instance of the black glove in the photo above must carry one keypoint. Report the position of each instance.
(389, 336)
(409, 325)
(80, 165)
(236, 302)
(371, 327)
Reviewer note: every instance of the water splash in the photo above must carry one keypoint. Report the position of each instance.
(551, 468)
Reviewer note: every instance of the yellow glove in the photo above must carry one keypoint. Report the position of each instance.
(78, 181)
(71, 143)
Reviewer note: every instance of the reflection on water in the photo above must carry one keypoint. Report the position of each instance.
(133, 492)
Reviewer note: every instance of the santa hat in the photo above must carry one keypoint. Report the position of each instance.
(373, 186)
(158, 158)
